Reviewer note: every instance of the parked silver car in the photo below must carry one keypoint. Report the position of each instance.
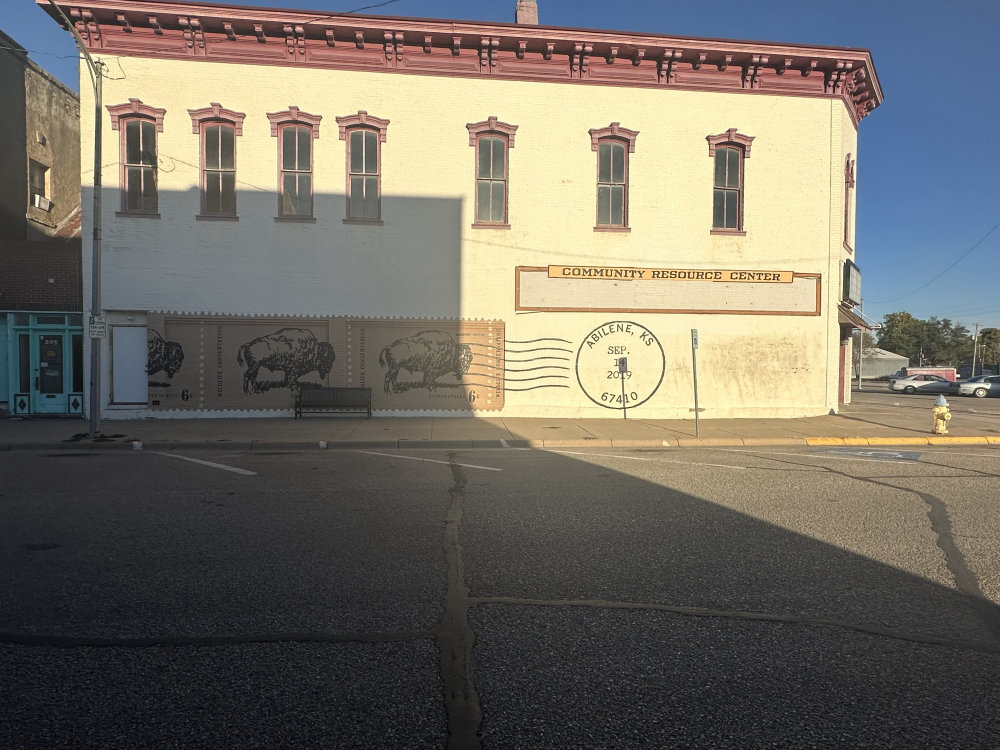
(980, 386)
(922, 383)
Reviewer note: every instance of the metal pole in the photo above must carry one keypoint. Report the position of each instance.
(622, 364)
(95, 284)
(694, 370)
(95, 291)
(975, 341)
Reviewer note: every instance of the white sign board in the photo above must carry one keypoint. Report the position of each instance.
(98, 327)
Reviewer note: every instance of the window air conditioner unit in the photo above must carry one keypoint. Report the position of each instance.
(40, 201)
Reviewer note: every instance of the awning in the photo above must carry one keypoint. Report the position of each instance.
(848, 317)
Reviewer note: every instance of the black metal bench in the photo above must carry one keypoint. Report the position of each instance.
(314, 399)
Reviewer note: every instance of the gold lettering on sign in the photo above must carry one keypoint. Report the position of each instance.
(628, 273)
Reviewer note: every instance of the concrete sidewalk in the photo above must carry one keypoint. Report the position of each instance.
(863, 426)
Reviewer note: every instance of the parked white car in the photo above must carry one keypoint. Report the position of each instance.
(922, 383)
(980, 386)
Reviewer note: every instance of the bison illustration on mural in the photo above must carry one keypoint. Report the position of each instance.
(292, 351)
(430, 353)
(162, 355)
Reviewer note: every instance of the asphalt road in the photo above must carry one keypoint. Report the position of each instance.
(725, 598)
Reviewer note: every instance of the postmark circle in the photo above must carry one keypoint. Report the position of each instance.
(598, 368)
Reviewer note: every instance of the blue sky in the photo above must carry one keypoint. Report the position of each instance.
(928, 223)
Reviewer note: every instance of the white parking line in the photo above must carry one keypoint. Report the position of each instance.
(751, 452)
(643, 458)
(233, 469)
(429, 460)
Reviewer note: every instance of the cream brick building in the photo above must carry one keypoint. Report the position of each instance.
(469, 216)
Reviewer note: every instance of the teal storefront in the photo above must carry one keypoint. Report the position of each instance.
(41, 362)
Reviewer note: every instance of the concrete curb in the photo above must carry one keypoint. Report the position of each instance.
(879, 441)
(495, 443)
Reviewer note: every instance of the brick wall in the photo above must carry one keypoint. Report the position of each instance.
(26, 269)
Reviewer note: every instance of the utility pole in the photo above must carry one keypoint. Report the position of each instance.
(975, 345)
(96, 75)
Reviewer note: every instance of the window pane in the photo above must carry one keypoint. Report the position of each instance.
(357, 151)
(148, 189)
(133, 188)
(24, 362)
(485, 162)
(148, 143)
(371, 152)
(497, 204)
(604, 162)
(618, 205)
(355, 206)
(603, 205)
(288, 148)
(617, 163)
(213, 190)
(483, 200)
(212, 147)
(77, 342)
(304, 137)
(732, 207)
(288, 194)
(228, 190)
(133, 141)
(371, 197)
(720, 167)
(734, 168)
(303, 203)
(719, 207)
(228, 146)
(498, 159)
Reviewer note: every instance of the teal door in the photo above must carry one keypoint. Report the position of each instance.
(48, 355)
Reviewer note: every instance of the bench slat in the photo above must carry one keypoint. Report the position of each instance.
(312, 399)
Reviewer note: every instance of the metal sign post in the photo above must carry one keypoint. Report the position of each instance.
(622, 369)
(694, 369)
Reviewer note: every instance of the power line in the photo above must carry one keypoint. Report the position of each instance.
(955, 263)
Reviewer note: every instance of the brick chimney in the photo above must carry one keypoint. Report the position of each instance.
(526, 12)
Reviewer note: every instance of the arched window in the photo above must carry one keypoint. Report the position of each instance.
(848, 202)
(218, 129)
(364, 135)
(492, 140)
(613, 145)
(295, 131)
(138, 123)
(729, 150)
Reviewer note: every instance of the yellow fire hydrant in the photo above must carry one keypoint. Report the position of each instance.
(942, 414)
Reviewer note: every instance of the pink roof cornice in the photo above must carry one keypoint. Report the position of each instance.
(270, 36)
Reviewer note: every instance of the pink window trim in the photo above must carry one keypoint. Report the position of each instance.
(491, 125)
(848, 189)
(135, 108)
(730, 136)
(614, 130)
(294, 116)
(216, 112)
(363, 120)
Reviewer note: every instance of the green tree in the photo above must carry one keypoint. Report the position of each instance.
(926, 342)
(989, 346)
(901, 334)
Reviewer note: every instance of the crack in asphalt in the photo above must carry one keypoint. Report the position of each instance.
(454, 635)
(688, 611)
(937, 512)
